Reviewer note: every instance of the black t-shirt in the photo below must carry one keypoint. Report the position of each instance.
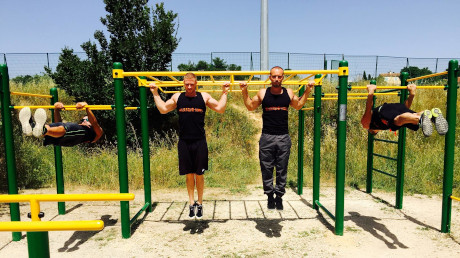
(191, 111)
(275, 112)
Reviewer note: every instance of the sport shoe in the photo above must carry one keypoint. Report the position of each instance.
(199, 210)
(279, 203)
(192, 211)
(270, 202)
(439, 121)
(24, 118)
(425, 122)
(40, 120)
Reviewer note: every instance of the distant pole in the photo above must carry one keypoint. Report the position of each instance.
(264, 37)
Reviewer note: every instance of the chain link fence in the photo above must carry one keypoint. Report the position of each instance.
(34, 63)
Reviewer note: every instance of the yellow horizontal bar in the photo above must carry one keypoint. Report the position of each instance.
(167, 84)
(30, 94)
(397, 87)
(338, 98)
(37, 226)
(72, 108)
(226, 73)
(308, 108)
(9, 198)
(426, 76)
(455, 198)
(360, 94)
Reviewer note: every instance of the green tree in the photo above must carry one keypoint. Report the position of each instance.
(414, 71)
(217, 64)
(141, 38)
(364, 75)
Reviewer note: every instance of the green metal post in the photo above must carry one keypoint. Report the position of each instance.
(38, 244)
(316, 143)
(58, 158)
(7, 130)
(145, 145)
(401, 149)
(121, 145)
(341, 147)
(300, 147)
(370, 151)
(449, 147)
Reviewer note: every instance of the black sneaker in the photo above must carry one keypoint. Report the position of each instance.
(191, 214)
(270, 202)
(279, 203)
(199, 210)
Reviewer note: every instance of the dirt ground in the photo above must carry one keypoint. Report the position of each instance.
(239, 225)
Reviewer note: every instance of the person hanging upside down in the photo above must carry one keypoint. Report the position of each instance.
(393, 116)
(58, 133)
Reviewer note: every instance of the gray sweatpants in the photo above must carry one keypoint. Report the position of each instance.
(274, 152)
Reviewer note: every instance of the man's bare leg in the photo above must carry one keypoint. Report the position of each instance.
(407, 118)
(190, 182)
(200, 187)
(55, 132)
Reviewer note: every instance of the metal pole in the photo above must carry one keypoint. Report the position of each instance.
(370, 151)
(58, 158)
(300, 141)
(376, 66)
(121, 144)
(38, 244)
(316, 143)
(7, 130)
(449, 147)
(341, 147)
(401, 149)
(264, 37)
(145, 145)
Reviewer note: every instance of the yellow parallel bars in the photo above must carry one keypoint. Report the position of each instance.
(397, 87)
(455, 198)
(40, 226)
(30, 94)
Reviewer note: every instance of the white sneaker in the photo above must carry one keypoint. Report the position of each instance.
(24, 118)
(40, 120)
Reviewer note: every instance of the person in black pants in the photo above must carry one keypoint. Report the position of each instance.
(192, 146)
(58, 133)
(393, 116)
(275, 142)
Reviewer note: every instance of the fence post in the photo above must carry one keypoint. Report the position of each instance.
(121, 146)
(58, 158)
(7, 131)
(376, 66)
(401, 149)
(341, 147)
(449, 147)
(370, 151)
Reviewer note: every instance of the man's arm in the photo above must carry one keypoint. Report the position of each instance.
(163, 107)
(58, 106)
(92, 119)
(411, 87)
(297, 102)
(218, 106)
(366, 120)
(251, 104)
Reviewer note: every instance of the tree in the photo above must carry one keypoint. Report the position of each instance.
(364, 75)
(414, 71)
(139, 37)
(217, 64)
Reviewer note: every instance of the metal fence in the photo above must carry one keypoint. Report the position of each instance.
(34, 63)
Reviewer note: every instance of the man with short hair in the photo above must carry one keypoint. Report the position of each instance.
(58, 133)
(275, 142)
(393, 116)
(192, 146)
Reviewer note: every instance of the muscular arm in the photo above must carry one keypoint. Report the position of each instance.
(218, 106)
(251, 104)
(297, 102)
(366, 119)
(163, 106)
(92, 119)
(411, 87)
(58, 106)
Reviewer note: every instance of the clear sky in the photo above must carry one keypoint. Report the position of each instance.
(407, 28)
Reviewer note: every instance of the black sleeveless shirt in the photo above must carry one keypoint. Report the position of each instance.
(275, 112)
(191, 117)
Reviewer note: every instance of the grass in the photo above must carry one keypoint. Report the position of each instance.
(232, 144)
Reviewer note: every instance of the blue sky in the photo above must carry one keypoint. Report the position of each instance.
(356, 27)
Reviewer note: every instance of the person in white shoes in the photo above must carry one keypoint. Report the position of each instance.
(58, 133)
(393, 116)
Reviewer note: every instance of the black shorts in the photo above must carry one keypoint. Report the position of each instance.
(383, 117)
(193, 156)
(75, 134)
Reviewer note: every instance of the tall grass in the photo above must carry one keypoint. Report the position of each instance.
(232, 144)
